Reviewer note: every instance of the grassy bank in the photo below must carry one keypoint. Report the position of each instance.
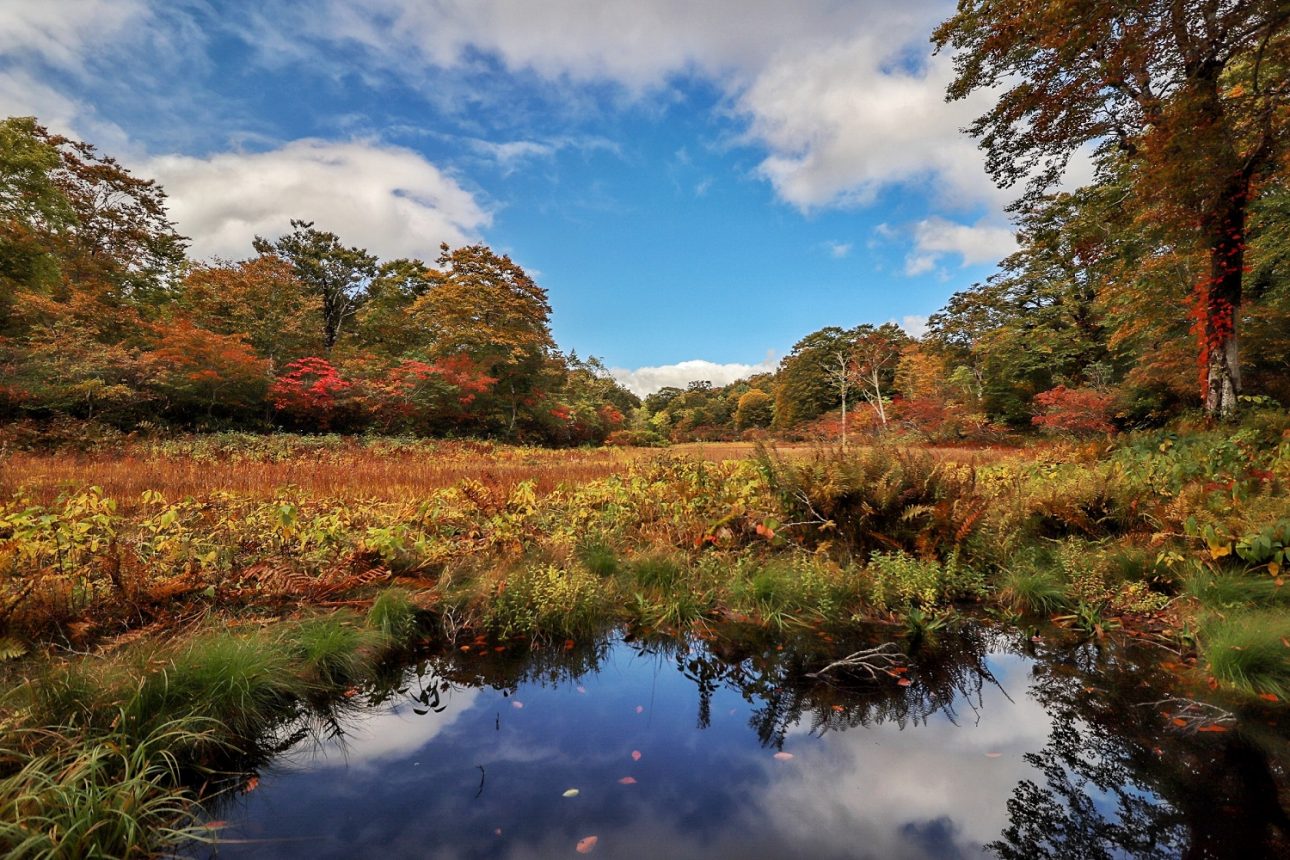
(151, 635)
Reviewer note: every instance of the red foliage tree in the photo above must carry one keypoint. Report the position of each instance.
(309, 392)
(1078, 411)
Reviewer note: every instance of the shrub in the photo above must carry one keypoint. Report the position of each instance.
(900, 580)
(635, 439)
(878, 499)
(1030, 590)
(1074, 411)
(546, 600)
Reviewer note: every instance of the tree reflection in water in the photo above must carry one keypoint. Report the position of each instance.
(1121, 779)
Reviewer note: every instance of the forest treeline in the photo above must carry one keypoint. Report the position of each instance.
(1093, 324)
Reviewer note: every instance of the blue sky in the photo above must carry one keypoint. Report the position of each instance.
(697, 185)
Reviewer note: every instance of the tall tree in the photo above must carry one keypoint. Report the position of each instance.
(1194, 90)
(260, 299)
(486, 306)
(338, 275)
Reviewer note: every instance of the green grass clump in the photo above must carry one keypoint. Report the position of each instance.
(394, 616)
(109, 796)
(657, 571)
(1248, 650)
(244, 681)
(1032, 591)
(334, 649)
(599, 558)
(1226, 590)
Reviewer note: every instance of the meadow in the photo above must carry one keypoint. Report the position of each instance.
(166, 602)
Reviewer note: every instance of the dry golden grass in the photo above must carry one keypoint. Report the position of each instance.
(355, 472)
(358, 474)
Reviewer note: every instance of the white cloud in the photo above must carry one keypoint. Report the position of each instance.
(59, 32)
(838, 250)
(387, 199)
(982, 242)
(915, 325)
(646, 380)
(843, 96)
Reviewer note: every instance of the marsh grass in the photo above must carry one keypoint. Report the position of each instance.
(1249, 650)
(1032, 590)
(109, 796)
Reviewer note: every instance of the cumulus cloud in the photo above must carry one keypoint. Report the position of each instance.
(841, 95)
(387, 199)
(646, 380)
(935, 237)
(838, 250)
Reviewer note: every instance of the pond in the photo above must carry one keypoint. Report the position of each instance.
(992, 744)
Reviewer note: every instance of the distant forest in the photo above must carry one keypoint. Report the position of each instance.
(1103, 319)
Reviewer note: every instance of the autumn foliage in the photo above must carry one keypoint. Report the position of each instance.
(1077, 411)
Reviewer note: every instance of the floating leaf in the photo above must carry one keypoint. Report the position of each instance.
(839, 708)
(251, 784)
(783, 756)
(1212, 727)
(993, 754)
(640, 709)
(587, 844)
(1269, 697)
(627, 780)
(904, 682)
(516, 703)
(636, 755)
(571, 792)
(582, 689)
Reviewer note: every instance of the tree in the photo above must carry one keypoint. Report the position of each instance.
(310, 393)
(839, 368)
(384, 324)
(875, 352)
(202, 370)
(260, 299)
(337, 275)
(31, 204)
(488, 308)
(756, 409)
(1195, 93)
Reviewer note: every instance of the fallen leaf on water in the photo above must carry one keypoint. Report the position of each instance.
(993, 754)
(568, 644)
(500, 648)
(350, 693)
(516, 703)
(839, 708)
(904, 682)
(1269, 697)
(627, 780)
(1212, 728)
(1179, 721)
(571, 792)
(587, 844)
(783, 756)
(251, 784)
(465, 648)
(498, 831)
(636, 755)
(640, 709)
(215, 825)
(582, 689)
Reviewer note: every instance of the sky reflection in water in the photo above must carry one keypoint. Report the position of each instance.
(484, 775)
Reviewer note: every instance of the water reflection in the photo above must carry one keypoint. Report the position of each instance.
(990, 748)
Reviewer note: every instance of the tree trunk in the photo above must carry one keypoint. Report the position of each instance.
(1220, 352)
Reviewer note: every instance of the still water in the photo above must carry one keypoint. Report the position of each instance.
(996, 746)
